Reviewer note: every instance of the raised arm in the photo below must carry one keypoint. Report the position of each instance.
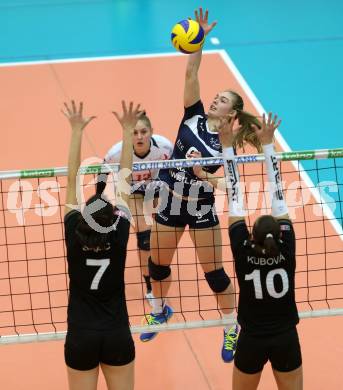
(192, 86)
(77, 122)
(266, 136)
(128, 121)
(235, 197)
(101, 181)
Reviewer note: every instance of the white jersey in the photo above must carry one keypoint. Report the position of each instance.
(160, 149)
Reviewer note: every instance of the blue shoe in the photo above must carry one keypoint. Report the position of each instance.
(156, 319)
(230, 344)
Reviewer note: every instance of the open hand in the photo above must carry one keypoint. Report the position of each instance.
(197, 169)
(75, 116)
(203, 21)
(129, 117)
(265, 134)
(226, 131)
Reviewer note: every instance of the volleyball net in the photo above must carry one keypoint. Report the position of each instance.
(33, 268)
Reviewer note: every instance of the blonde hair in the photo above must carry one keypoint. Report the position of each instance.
(146, 120)
(247, 122)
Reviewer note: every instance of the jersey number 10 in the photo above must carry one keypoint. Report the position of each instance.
(255, 276)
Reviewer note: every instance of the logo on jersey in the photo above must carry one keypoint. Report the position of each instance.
(97, 249)
(215, 144)
(202, 220)
(121, 214)
(163, 217)
(180, 145)
(202, 124)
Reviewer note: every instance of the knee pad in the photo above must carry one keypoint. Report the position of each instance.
(158, 272)
(218, 280)
(143, 240)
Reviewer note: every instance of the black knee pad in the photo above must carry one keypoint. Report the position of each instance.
(158, 272)
(218, 280)
(143, 240)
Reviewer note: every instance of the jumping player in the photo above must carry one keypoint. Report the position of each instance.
(190, 201)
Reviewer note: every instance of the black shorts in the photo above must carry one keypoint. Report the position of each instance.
(176, 212)
(282, 350)
(85, 349)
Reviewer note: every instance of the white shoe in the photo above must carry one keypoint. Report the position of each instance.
(150, 298)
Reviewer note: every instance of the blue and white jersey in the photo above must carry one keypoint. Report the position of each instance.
(160, 149)
(194, 135)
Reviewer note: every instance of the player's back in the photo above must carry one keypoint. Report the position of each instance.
(266, 298)
(97, 292)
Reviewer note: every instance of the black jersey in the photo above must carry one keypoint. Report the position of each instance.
(193, 135)
(267, 297)
(97, 292)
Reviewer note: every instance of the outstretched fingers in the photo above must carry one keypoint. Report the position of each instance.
(231, 122)
(276, 122)
(74, 113)
(270, 123)
(73, 105)
(202, 18)
(201, 14)
(88, 120)
(130, 108)
(67, 109)
(116, 115)
(130, 115)
(123, 104)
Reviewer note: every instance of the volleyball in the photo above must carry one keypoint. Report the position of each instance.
(188, 36)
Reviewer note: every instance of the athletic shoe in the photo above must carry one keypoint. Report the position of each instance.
(230, 344)
(156, 319)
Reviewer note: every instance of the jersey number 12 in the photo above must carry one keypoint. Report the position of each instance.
(103, 264)
(255, 276)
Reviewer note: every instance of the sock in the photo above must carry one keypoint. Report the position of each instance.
(230, 317)
(157, 305)
(147, 283)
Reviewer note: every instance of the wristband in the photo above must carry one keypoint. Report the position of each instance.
(278, 203)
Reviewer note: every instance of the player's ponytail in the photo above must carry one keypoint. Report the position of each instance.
(247, 121)
(87, 233)
(247, 133)
(266, 233)
(144, 118)
(271, 248)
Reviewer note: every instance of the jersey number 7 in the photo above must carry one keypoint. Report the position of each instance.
(103, 264)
